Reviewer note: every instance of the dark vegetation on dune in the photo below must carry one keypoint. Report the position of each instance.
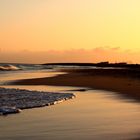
(130, 73)
(101, 64)
(104, 68)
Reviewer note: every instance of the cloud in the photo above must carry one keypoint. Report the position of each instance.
(114, 54)
(116, 48)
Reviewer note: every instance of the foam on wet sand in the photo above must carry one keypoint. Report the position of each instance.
(13, 100)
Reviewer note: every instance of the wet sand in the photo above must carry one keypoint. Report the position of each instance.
(123, 81)
(93, 115)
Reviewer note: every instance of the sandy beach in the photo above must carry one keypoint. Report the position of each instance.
(94, 114)
(122, 81)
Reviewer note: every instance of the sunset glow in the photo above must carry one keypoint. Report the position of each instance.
(37, 31)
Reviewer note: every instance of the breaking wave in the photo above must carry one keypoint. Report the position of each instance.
(9, 68)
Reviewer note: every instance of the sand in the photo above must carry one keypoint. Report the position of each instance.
(125, 82)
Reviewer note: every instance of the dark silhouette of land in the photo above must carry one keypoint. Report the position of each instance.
(100, 64)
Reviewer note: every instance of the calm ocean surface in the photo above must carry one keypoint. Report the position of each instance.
(92, 115)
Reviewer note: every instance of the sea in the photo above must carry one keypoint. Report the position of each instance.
(92, 115)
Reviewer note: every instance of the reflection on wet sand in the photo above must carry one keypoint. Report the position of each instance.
(94, 114)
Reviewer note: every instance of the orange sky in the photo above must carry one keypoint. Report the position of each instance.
(37, 31)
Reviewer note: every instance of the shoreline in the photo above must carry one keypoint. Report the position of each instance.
(14, 100)
(123, 81)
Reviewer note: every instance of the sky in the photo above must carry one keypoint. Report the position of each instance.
(38, 31)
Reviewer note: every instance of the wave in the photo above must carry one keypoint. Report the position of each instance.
(9, 68)
(24, 67)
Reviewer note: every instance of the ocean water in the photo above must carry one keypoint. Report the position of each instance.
(18, 66)
(25, 67)
(92, 115)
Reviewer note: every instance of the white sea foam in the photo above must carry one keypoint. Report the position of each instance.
(12, 100)
(9, 67)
